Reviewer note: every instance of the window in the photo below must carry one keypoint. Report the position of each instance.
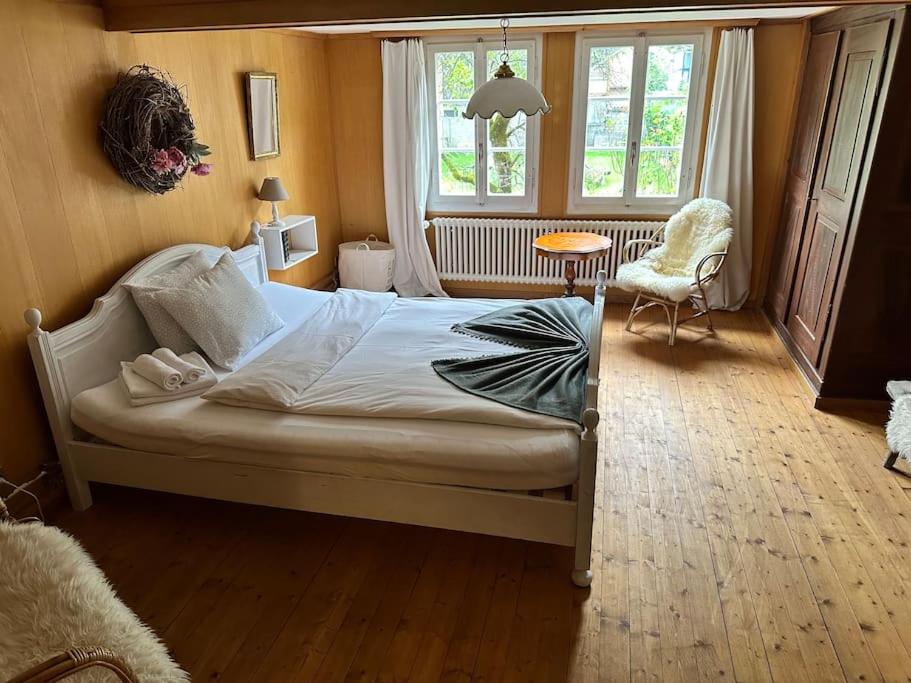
(478, 165)
(637, 104)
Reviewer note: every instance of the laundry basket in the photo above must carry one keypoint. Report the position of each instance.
(366, 265)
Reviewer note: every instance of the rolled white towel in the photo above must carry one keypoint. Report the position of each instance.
(157, 372)
(188, 372)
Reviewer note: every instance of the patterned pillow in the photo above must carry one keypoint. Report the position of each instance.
(165, 329)
(222, 312)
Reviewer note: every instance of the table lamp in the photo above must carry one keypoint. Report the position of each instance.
(273, 191)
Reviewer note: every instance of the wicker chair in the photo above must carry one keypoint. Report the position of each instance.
(648, 274)
(75, 660)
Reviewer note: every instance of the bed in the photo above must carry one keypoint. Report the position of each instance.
(440, 472)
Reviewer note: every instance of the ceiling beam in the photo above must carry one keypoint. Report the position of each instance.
(178, 15)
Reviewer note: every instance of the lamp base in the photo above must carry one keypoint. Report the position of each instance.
(279, 223)
(276, 221)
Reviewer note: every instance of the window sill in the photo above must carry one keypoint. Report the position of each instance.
(638, 210)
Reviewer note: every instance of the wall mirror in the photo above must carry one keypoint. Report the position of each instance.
(262, 115)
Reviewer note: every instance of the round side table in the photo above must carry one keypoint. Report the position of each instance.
(571, 247)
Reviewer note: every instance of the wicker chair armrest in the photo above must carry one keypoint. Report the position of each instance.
(626, 248)
(73, 661)
(713, 273)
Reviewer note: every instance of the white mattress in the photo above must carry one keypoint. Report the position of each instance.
(420, 450)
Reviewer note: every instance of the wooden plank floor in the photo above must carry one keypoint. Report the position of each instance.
(739, 535)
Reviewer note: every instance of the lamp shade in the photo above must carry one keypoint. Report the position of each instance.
(273, 190)
(507, 95)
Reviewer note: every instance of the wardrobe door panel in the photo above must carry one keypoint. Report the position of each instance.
(844, 144)
(814, 94)
(821, 246)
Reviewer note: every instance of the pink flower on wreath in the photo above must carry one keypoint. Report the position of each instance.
(202, 169)
(178, 160)
(161, 162)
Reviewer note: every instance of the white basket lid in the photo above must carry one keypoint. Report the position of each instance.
(371, 243)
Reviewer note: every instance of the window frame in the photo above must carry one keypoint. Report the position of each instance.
(629, 203)
(482, 202)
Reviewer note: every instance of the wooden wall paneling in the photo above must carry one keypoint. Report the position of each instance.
(65, 117)
(556, 126)
(311, 139)
(779, 50)
(22, 422)
(70, 226)
(29, 159)
(356, 74)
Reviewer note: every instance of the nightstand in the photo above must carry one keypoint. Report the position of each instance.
(289, 244)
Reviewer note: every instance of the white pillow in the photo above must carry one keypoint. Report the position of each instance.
(222, 312)
(165, 329)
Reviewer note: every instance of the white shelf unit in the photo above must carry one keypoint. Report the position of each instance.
(301, 231)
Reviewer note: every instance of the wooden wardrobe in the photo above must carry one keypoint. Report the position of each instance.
(837, 294)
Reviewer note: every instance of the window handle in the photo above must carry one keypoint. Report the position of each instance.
(633, 153)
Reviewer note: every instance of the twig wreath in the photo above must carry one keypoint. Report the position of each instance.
(148, 133)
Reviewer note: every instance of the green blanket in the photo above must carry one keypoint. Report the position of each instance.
(547, 376)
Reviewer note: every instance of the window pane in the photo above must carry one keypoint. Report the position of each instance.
(455, 134)
(506, 154)
(506, 173)
(457, 173)
(610, 76)
(667, 87)
(518, 62)
(506, 138)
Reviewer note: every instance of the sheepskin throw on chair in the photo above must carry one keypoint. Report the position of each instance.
(56, 599)
(701, 227)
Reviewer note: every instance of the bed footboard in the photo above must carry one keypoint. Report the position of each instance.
(588, 446)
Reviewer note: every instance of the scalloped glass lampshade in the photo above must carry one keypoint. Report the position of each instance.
(507, 95)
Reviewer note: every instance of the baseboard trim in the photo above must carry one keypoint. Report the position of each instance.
(828, 404)
(838, 405)
(807, 371)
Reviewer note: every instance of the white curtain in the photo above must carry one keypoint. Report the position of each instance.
(406, 166)
(727, 173)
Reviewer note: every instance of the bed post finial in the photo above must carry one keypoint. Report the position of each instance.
(255, 228)
(590, 418)
(601, 278)
(33, 320)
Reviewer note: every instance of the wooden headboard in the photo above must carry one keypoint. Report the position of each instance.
(88, 352)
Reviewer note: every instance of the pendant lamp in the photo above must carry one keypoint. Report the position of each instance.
(505, 94)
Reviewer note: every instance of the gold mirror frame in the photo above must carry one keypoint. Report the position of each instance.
(276, 130)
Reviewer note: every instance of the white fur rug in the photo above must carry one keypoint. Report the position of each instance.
(702, 227)
(898, 429)
(53, 598)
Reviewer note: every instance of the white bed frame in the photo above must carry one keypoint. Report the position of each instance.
(88, 352)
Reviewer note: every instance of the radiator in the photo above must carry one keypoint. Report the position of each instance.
(500, 249)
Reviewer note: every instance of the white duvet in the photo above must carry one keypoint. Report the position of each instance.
(368, 355)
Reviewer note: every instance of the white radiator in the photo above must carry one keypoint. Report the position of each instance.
(500, 249)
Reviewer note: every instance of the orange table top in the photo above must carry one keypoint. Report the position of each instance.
(572, 243)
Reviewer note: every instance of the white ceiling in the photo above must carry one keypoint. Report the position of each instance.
(732, 14)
